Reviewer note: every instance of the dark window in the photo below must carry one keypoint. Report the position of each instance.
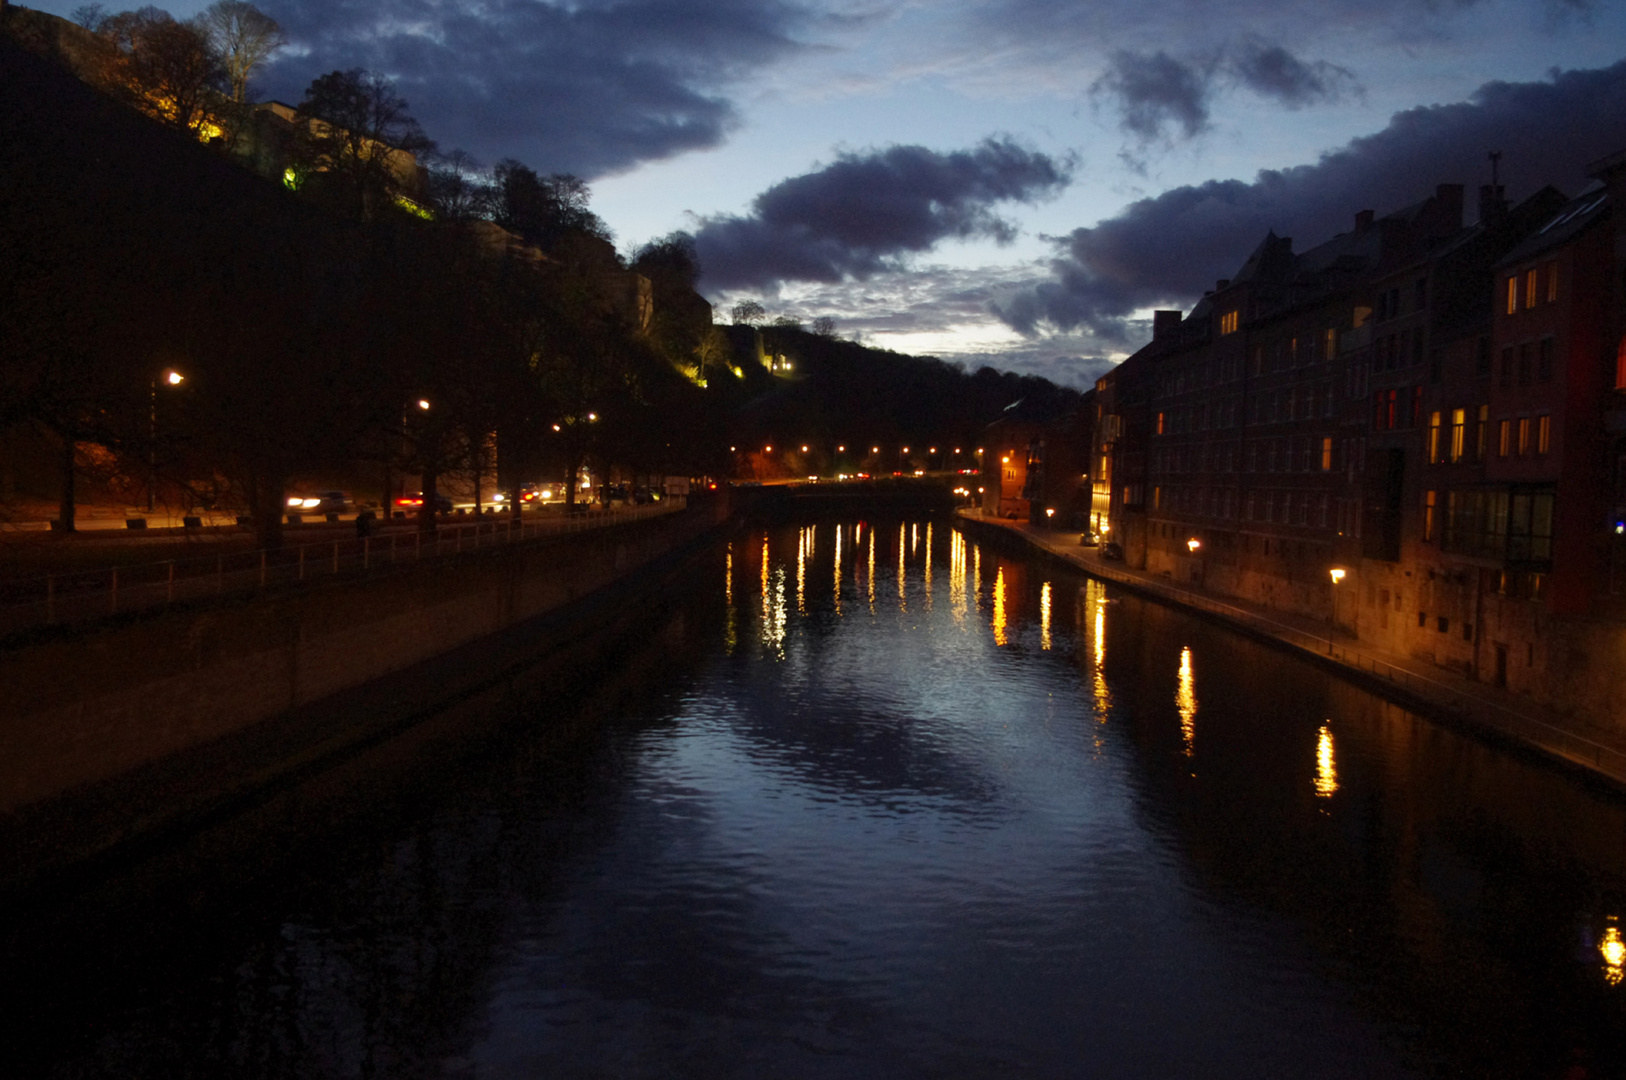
(1506, 378)
(1524, 364)
(1544, 360)
(1482, 356)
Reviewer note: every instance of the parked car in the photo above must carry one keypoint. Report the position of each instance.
(413, 500)
(1089, 539)
(1111, 550)
(321, 502)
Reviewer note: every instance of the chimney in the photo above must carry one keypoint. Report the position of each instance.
(1363, 220)
(1492, 204)
(1164, 323)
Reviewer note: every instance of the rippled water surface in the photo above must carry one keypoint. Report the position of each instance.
(874, 799)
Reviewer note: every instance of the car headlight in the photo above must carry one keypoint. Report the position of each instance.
(310, 504)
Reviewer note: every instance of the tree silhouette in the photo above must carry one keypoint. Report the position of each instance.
(242, 38)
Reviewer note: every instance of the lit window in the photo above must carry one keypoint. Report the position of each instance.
(1524, 435)
(1530, 284)
(1161, 422)
(1544, 433)
(1228, 322)
(1331, 344)
(1501, 438)
(1433, 438)
(1459, 422)
(1620, 365)
(1428, 515)
(1512, 295)
(1326, 453)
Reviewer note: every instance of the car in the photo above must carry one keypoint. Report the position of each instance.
(1089, 539)
(642, 496)
(413, 501)
(539, 494)
(1111, 550)
(321, 502)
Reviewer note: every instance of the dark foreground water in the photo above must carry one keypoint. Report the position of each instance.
(876, 800)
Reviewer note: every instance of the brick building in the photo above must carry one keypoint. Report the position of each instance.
(1415, 430)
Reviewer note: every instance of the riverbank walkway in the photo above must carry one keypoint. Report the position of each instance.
(1415, 684)
(67, 582)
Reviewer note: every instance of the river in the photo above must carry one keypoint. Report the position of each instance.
(872, 798)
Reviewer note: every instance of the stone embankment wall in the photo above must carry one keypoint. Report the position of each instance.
(92, 725)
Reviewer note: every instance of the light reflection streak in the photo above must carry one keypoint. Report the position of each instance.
(801, 571)
(1186, 700)
(957, 603)
(1613, 950)
(903, 572)
(1326, 769)
(872, 571)
(999, 607)
(976, 576)
(1044, 616)
(914, 538)
(928, 566)
(774, 616)
(731, 638)
(838, 571)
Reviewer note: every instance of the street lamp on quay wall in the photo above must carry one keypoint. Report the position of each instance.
(169, 377)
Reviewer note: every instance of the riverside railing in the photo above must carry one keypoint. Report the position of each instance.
(1604, 759)
(79, 596)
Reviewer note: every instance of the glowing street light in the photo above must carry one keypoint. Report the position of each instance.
(170, 377)
(1193, 544)
(1337, 574)
(423, 403)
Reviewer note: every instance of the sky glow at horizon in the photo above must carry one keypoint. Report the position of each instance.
(1014, 182)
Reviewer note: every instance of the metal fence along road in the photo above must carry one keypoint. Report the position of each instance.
(80, 596)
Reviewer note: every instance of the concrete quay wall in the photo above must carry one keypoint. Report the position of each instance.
(123, 728)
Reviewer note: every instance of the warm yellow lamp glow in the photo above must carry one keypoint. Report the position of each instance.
(1614, 953)
(1193, 544)
(423, 403)
(1326, 770)
(1337, 574)
(173, 377)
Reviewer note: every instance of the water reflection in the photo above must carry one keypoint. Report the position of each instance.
(883, 847)
(1326, 770)
(999, 608)
(1044, 617)
(1614, 953)
(1186, 701)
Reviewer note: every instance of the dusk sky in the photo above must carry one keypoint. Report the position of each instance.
(1014, 182)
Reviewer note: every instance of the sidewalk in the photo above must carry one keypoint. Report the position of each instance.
(1417, 685)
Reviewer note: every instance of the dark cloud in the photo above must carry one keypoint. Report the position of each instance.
(1269, 69)
(587, 87)
(1155, 91)
(1169, 248)
(863, 213)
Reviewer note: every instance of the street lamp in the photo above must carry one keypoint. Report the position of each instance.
(1193, 544)
(170, 377)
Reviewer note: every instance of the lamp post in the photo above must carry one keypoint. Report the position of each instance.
(170, 377)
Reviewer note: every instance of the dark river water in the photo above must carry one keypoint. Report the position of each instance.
(875, 799)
